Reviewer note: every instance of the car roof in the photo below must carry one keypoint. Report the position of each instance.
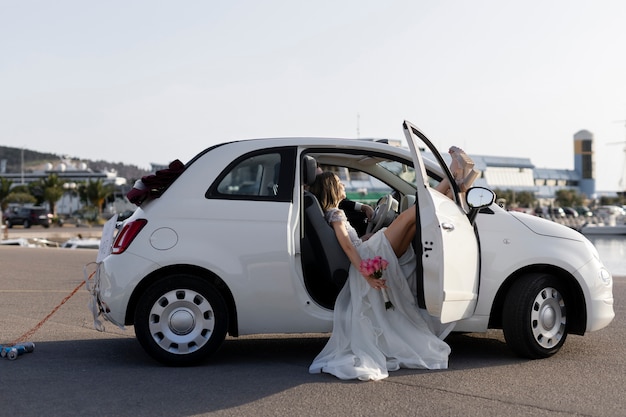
(325, 143)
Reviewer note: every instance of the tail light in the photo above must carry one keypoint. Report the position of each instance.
(126, 236)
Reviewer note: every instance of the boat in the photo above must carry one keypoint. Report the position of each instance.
(80, 243)
(612, 221)
(29, 243)
(20, 241)
(601, 229)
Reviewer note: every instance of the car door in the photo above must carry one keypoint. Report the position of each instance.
(445, 242)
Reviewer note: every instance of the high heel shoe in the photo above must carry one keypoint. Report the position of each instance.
(466, 183)
(464, 172)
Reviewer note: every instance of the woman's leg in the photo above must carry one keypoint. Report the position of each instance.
(400, 233)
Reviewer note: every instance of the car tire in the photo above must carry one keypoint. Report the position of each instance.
(534, 318)
(26, 224)
(8, 224)
(181, 320)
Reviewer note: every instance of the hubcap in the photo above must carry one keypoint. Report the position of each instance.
(548, 318)
(181, 321)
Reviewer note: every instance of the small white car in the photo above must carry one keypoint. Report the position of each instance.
(236, 245)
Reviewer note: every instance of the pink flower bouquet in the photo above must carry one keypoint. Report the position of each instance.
(374, 268)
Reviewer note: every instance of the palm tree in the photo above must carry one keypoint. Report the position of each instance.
(53, 190)
(5, 190)
(95, 192)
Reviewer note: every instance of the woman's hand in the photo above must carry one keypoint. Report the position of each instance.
(368, 210)
(376, 283)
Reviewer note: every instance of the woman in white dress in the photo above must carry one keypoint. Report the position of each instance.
(369, 340)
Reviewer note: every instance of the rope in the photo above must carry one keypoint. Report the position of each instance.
(32, 331)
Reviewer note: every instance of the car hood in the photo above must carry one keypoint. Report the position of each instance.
(546, 227)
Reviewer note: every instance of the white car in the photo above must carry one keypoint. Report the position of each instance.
(236, 245)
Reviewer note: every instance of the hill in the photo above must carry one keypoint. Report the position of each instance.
(34, 161)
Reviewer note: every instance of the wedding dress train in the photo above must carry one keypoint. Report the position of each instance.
(367, 340)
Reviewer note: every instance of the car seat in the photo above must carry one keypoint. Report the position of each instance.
(324, 261)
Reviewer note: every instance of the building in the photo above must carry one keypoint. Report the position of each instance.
(520, 174)
(70, 174)
(66, 170)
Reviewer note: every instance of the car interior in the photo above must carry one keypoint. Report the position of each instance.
(325, 265)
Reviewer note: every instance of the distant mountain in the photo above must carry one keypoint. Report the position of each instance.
(35, 161)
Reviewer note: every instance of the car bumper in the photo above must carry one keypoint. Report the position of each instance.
(603, 314)
(114, 284)
(600, 310)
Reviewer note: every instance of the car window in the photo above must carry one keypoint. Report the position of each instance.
(401, 170)
(262, 175)
(255, 176)
(360, 186)
(266, 175)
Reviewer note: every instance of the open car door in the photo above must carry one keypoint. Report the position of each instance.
(447, 276)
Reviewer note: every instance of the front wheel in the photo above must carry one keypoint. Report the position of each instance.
(534, 317)
(181, 320)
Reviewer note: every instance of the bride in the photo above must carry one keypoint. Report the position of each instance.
(369, 340)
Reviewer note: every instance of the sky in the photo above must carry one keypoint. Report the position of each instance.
(152, 81)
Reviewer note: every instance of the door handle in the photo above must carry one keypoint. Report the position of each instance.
(447, 226)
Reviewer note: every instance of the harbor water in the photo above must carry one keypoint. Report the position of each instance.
(612, 251)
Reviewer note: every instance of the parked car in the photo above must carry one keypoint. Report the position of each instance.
(27, 216)
(235, 244)
(570, 212)
(583, 211)
(557, 212)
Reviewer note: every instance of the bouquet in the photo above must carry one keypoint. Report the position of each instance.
(374, 268)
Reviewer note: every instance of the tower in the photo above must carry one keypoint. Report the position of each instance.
(584, 162)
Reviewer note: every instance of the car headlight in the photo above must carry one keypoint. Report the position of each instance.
(605, 276)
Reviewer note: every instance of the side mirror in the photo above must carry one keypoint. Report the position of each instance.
(479, 197)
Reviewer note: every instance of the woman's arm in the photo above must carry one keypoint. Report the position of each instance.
(353, 254)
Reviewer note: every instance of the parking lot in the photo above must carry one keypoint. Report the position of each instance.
(76, 370)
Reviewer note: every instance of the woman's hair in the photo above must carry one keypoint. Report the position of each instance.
(326, 189)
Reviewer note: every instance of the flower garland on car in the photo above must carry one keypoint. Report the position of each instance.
(374, 268)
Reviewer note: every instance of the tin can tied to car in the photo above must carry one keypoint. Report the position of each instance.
(12, 352)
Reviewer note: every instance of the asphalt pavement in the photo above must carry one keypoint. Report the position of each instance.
(78, 371)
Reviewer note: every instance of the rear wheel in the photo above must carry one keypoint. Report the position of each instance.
(26, 224)
(534, 317)
(181, 320)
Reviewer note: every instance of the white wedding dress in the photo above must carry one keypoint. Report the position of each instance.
(367, 340)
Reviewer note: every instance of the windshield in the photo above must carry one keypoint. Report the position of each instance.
(403, 171)
(407, 173)
(366, 177)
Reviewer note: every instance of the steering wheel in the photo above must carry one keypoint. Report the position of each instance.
(381, 212)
